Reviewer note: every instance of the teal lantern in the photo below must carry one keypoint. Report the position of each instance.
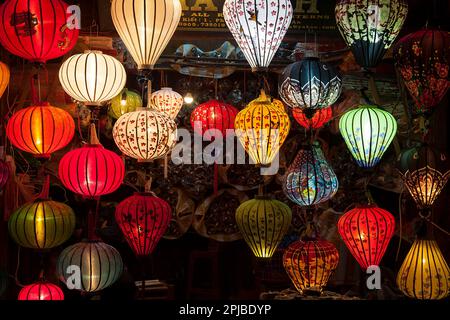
(368, 131)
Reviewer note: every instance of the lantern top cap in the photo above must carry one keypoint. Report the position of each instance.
(166, 88)
(93, 51)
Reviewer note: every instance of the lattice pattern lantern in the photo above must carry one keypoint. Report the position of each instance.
(258, 26)
(41, 290)
(367, 131)
(167, 101)
(4, 77)
(126, 101)
(370, 27)
(263, 223)
(318, 119)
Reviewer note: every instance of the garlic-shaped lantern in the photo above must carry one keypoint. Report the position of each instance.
(167, 101)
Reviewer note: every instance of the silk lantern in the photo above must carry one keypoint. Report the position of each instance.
(258, 26)
(310, 263)
(366, 231)
(143, 219)
(41, 290)
(167, 101)
(310, 84)
(367, 131)
(262, 128)
(124, 102)
(424, 273)
(145, 27)
(99, 263)
(309, 179)
(263, 223)
(370, 27)
(92, 77)
(37, 30)
(317, 120)
(422, 58)
(4, 173)
(40, 129)
(4, 77)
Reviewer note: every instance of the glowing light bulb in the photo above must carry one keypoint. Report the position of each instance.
(188, 98)
(123, 102)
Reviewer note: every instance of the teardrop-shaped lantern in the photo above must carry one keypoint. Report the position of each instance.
(366, 231)
(263, 222)
(368, 131)
(145, 26)
(167, 101)
(126, 101)
(370, 27)
(258, 26)
(316, 121)
(310, 84)
(309, 179)
(143, 219)
(262, 128)
(41, 290)
(4, 77)
(424, 273)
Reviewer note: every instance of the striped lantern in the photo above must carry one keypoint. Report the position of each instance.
(167, 101)
(4, 77)
(40, 129)
(263, 222)
(92, 77)
(145, 27)
(99, 263)
(317, 120)
(41, 290)
(126, 101)
(4, 173)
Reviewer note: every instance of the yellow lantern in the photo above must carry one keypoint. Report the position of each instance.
(262, 128)
(424, 274)
(126, 101)
(4, 77)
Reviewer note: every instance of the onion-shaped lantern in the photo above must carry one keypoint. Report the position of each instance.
(262, 128)
(145, 27)
(126, 101)
(143, 219)
(424, 273)
(4, 173)
(41, 290)
(145, 134)
(317, 120)
(167, 101)
(309, 179)
(310, 84)
(366, 231)
(258, 26)
(367, 131)
(370, 27)
(37, 30)
(4, 77)
(40, 129)
(310, 263)
(422, 58)
(92, 77)
(263, 222)
(99, 263)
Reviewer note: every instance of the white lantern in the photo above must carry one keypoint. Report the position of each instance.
(167, 101)
(145, 134)
(258, 26)
(92, 77)
(145, 26)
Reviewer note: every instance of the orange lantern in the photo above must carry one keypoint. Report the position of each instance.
(4, 77)
(314, 121)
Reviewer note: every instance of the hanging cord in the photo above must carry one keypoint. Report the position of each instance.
(400, 213)
(16, 273)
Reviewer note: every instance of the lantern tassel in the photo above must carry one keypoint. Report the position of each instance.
(45, 188)
(93, 139)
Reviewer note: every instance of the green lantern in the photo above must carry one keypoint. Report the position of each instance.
(368, 131)
(124, 102)
(263, 222)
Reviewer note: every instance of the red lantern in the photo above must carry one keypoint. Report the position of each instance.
(4, 173)
(317, 120)
(143, 219)
(366, 231)
(41, 290)
(41, 129)
(37, 30)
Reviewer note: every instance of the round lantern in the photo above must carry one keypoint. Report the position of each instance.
(99, 263)
(41, 129)
(310, 263)
(167, 101)
(37, 30)
(41, 290)
(258, 26)
(316, 121)
(143, 219)
(262, 128)
(310, 84)
(145, 27)
(4, 78)
(92, 77)
(263, 222)
(91, 171)
(124, 102)
(4, 173)
(370, 27)
(422, 59)
(424, 274)
(145, 134)
(309, 179)
(367, 131)
(366, 231)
